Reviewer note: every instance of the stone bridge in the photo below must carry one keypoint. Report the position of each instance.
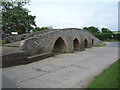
(59, 41)
(38, 45)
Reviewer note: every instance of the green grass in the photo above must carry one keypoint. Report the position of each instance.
(2, 44)
(100, 45)
(111, 40)
(116, 32)
(9, 46)
(108, 78)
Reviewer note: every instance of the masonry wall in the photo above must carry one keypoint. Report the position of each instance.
(14, 38)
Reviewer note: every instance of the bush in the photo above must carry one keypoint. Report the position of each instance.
(107, 36)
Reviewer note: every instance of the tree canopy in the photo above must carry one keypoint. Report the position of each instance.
(105, 30)
(103, 33)
(16, 18)
(92, 29)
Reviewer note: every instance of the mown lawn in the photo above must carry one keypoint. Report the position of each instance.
(108, 78)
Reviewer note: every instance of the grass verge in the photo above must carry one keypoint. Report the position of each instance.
(111, 40)
(108, 78)
(2, 45)
(9, 46)
(2, 42)
(99, 45)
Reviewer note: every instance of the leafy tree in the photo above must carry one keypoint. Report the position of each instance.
(107, 33)
(104, 34)
(92, 29)
(106, 30)
(16, 18)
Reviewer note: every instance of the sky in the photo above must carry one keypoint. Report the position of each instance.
(75, 13)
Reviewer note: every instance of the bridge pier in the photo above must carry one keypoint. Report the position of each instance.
(82, 48)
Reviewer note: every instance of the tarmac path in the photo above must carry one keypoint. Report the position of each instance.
(70, 70)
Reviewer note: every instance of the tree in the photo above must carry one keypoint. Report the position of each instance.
(105, 30)
(107, 33)
(92, 29)
(15, 18)
(104, 34)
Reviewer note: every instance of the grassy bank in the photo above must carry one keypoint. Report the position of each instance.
(2, 44)
(108, 78)
(100, 45)
(111, 40)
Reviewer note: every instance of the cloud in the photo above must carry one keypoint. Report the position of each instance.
(75, 14)
(75, 0)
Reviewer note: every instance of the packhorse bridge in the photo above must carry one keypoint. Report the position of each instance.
(45, 43)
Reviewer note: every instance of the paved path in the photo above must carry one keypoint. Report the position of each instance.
(73, 70)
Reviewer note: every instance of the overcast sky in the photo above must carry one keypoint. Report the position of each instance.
(75, 13)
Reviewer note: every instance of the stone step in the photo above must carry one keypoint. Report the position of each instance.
(21, 58)
(39, 57)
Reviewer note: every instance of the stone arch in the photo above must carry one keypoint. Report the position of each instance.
(76, 44)
(86, 43)
(92, 41)
(59, 45)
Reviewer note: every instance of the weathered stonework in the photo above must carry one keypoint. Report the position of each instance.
(14, 58)
(14, 38)
(59, 40)
(43, 44)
